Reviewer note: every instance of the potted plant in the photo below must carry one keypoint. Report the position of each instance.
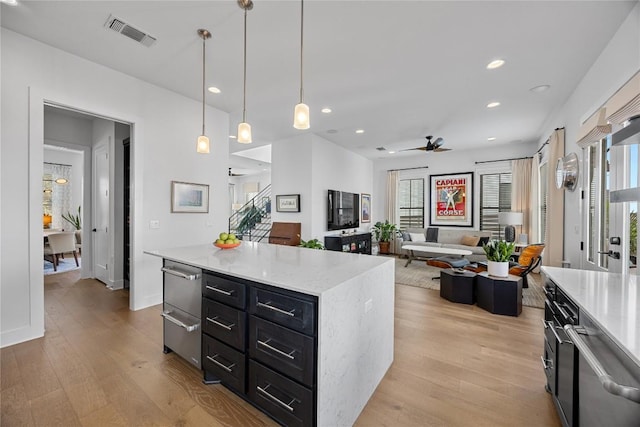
(76, 221)
(498, 255)
(312, 244)
(384, 232)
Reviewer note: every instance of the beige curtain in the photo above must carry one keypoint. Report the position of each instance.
(554, 230)
(534, 217)
(521, 192)
(392, 202)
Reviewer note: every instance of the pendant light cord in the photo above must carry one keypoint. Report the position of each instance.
(244, 90)
(301, 45)
(203, 81)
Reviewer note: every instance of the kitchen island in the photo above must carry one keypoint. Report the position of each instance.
(351, 297)
(592, 346)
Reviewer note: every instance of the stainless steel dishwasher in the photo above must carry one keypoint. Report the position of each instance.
(182, 310)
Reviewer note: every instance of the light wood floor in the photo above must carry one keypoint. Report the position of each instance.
(101, 364)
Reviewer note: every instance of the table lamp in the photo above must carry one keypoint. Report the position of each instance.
(510, 219)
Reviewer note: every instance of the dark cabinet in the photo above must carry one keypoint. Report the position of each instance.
(261, 342)
(355, 243)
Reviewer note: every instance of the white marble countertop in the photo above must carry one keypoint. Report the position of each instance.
(309, 271)
(611, 301)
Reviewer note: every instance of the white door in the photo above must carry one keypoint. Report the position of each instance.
(101, 224)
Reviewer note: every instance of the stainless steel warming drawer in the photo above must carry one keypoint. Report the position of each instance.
(182, 294)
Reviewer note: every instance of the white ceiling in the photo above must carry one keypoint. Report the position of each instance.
(400, 70)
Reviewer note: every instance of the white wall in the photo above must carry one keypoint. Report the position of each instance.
(263, 180)
(444, 163)
(310, 165)
(335, 168)
(618, 62)
(165, 127)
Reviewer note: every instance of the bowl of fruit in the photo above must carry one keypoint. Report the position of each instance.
(227, 241)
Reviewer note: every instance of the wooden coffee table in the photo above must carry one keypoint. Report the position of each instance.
(433, 250)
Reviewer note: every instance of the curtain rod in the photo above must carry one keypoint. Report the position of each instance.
(547, 141)
(406, 169)
(503, 160)
(57, 164)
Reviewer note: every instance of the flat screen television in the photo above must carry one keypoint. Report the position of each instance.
(343, 210)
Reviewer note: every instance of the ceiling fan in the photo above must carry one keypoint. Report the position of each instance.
(435, 145)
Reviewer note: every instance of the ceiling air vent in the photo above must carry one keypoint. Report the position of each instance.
(381, 149)
(119, 26)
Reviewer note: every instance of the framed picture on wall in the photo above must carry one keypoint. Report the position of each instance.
(452, 200)
(288, 203)
(365, 206)
(187, 197)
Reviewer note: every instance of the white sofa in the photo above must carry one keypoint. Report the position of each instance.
(448, 238)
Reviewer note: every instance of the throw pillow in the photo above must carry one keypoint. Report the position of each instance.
(417, 237)
(469, 240)
(432, 234)
(483, 240)
(406, 237)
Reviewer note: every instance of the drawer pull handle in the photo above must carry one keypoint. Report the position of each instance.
(220, 291)
(549, 325)
(275, 399)
(190, 328)
(280, 352)
(222, 325)
(226, 368)
(180, 274)
(546, 363)
(276, 309)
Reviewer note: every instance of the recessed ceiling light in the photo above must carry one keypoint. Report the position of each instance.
(10, 2)
(214, 89)
(392, 152)
(540, 88)
(491, 138)
(232, 136)
(493, 104)
(360, 131)
(495, 64)
(326, 110)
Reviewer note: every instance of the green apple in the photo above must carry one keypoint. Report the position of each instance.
(229, 241)
(220, 242)
(232, 236)
(224, 236)
(236, 240)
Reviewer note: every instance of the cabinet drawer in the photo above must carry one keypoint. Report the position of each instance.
(225, 290)
(224, 362)
(289, 403)
(295, 313)
(289, 352)
(224, 323)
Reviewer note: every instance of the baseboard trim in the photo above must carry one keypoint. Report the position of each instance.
(19, 335)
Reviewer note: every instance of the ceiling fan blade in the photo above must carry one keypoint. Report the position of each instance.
(417, 148)
(439, 150)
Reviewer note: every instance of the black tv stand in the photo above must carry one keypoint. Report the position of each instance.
(355, 243)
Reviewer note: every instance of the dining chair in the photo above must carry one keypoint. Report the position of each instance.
(59, 243)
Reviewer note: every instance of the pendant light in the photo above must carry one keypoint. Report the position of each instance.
(301, 112)
(244, 128)
(202, 145)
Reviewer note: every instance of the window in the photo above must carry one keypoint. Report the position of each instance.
(598, 203)
(495, 196)
(411, 202)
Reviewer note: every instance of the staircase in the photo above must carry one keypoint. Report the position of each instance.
(252, 222)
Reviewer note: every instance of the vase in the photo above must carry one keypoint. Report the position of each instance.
(498, 269)
(384, 247)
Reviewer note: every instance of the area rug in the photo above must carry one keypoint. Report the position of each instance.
(420, 275)
(64, 265)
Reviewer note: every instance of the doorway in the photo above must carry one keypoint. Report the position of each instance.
(103, 208)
